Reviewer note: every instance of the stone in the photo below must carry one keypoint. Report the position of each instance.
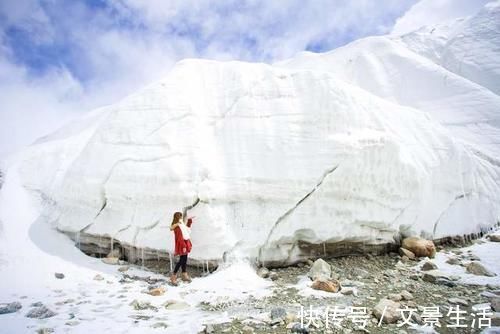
(406, 295)
(395, 297)
(348, 291)
(59, 275)
(176, 305)
(157, 291)
(98, 277)
(273, 275)
(320, 269)
(209, 329)
(10, 307)
(405, 252)
(72, 323)
(457, 301)
(298, 328)
(141, 305)
(278, 314)
(453, 261)
(495, 320)
(479, 307)
(263, 272)
(477, 268)
(45, 330)
(391, 314)
(111, 260)
(495, 304)
(159, 325)
(41, 312)
(494, 237)
(420, 247)
(328, 285)
(429, 266)
(123, 269)
(247, 330)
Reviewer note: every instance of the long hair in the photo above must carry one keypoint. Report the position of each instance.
(177, 215)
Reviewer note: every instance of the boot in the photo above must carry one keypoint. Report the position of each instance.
(185, 277)
(173, 279)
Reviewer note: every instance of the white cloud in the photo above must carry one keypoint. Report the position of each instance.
(428, 12)
(117, 49)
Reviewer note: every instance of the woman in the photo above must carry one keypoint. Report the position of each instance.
(183, 245)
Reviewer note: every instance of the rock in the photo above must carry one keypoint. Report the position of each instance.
(429, 266)
(494, 237)
(263, 272)
(479, 307)
(396, 297)
(123, 269)
(457, 301)
(495, 319)
(453, 261)
(405, 252)
(45, 330)
(247, 330)
(72, 323)
(98, 277)
(320, 269)
(176, 305)
(477, 268)
(41, 312)
(495, 304)
(328, 285)
(36, 304)
(10, 307)
(420, 247)
(348, 291)
(209, 329)
(59, 275)
(278, 314)
(298, 328)
(157, 291)
(159, 325)
(406, 295)
(391, 314)
(273, 275)
(432, 275)
(141, 305)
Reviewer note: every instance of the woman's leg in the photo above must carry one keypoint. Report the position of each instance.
(184, 263)
(178, 265)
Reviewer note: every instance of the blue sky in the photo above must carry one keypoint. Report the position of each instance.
(59, 58)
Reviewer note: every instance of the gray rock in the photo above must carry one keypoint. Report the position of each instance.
(159, 325)
(433, 275)
(45, 330)
(41, 312)
(297, 328)
(98, 277)
(453, 261)
(273, 276)
(494, 237)
(391, 314)
(209, 329)
(10, 307)
(429, 266)
(59, 275)
(408, 253)
(141, 305)
(278, 313)
(263, 272)
(37, 304)
(406, 295)
(479, 307)
(495, 304)
(458, 301)
(247, 330)
(320, 269)
(477, 268)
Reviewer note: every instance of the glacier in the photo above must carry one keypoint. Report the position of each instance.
(386, 137)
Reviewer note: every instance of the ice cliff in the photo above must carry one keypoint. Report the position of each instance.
(385, 137)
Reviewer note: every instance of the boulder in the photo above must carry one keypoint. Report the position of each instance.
(10, 307)
(263, 272)
(41, 312)
(405, 252)
(429, 266)
(495, 304)
(59, 275)
(320, 269)
(391, 314)
(420, 247)
(477, 268)
(328, 285)
(494, 237)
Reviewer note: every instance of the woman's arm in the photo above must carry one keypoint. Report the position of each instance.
(172, 227)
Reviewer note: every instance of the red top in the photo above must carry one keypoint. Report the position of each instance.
(182, 247)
